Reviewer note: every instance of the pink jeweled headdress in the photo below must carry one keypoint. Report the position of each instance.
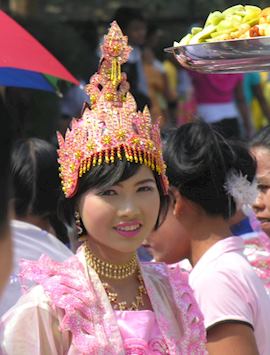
(112, 126)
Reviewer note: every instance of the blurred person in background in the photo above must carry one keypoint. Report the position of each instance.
(74, 96)
(182, 106)
(256, 99)
(134, 25)
(35, 227)
(5, 233)
(221, 103)
(157, 79)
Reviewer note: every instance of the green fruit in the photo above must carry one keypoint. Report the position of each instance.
(214, 18)
(237, 9)
(196, 30)
(202, 35)
(230, 23)
(185, 40)
(252, 13)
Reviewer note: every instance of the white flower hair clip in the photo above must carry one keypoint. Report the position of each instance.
(243, 191)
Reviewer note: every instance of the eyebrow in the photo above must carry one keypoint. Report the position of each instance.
(145, 181)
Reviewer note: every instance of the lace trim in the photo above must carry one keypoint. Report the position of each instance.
(67, 288)
(194, 338)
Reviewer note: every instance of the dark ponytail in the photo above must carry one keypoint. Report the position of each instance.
(198, 159)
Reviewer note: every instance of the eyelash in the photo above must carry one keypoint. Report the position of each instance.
(263, 188)
(145, 188)
(108, 193)
(113, 192)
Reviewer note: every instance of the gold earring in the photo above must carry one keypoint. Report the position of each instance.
(78, 223)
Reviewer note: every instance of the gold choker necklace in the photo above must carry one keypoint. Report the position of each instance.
(111, 271)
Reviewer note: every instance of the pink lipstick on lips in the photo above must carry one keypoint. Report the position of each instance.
(128, 229)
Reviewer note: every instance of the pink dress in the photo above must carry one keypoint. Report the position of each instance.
(140, 333)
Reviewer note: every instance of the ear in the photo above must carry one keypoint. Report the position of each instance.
(178, 202)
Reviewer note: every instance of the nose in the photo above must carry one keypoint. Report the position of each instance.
(259, 204)
(128, 209)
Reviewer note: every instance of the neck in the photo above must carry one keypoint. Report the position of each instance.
(108, 254)
(209, 232)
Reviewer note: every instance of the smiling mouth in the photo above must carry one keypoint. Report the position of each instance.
(128, 230)
(264, 220)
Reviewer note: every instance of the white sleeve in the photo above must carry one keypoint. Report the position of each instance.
(31, 327)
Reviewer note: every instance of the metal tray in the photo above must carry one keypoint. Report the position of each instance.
(231, 56)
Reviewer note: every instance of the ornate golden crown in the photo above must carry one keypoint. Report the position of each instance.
(112, 126)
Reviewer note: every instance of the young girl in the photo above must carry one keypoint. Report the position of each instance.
(235, 306)
(102, 301)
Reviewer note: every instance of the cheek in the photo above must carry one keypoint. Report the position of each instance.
(267, 199)
(152, 206)
(95, 213)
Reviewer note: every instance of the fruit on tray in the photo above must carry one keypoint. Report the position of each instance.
(239, 21)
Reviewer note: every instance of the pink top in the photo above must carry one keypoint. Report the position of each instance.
(215, 88)
(140, 333)
(227, 288)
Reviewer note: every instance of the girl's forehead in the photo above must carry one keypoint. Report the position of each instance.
(143, 174)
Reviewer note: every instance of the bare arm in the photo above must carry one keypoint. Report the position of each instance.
(231, 339)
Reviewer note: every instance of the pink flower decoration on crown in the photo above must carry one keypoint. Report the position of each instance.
(111, 128)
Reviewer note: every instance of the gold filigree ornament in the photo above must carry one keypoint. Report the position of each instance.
(112, 127)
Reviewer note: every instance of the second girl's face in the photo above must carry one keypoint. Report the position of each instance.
(170, 242)
(262, 202)
(118, 218)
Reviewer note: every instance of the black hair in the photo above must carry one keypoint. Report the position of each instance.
(36, 182)
(106, 175)
(6, 136)
(198, 159)
(34, 171)
(262, 138)
(124, 15)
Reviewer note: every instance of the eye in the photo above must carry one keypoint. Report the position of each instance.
(145, 188)
(263, 188)
(109, 192)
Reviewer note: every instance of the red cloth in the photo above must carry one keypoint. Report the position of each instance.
(22, 51)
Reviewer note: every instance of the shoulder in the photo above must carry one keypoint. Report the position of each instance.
(52, 275)
(34, 298)
(31, 242)
(231, 271)
(227, 293)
